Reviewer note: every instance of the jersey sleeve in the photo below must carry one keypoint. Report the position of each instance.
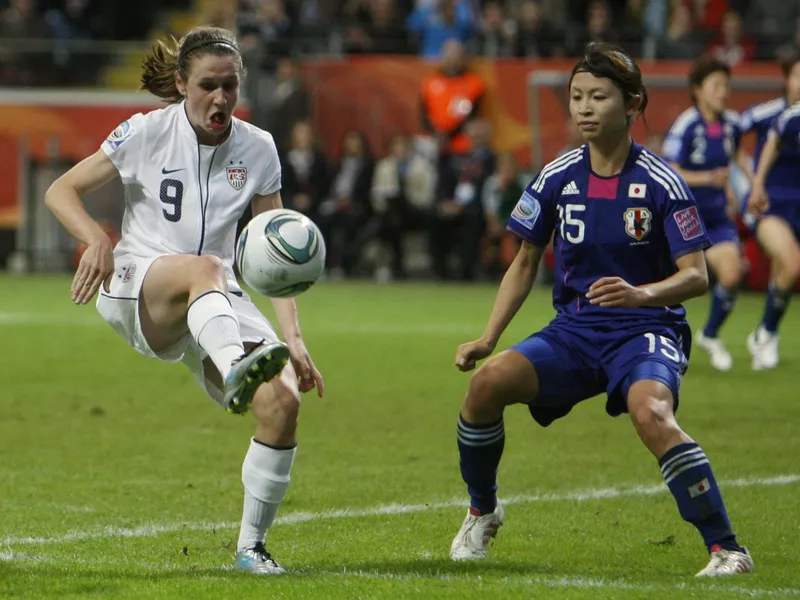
(270, 181)
(683, 225)
(533, 217)
(746, 121)
(787, 127)
(124, 146)
(675, 147)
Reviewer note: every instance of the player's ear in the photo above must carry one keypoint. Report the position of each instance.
(180, 84)
(634, 106)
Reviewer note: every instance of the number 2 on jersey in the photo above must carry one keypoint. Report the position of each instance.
(668, 347)
(565, 215)
(171, 193)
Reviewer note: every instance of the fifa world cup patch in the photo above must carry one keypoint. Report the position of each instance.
(638, 222)
(120, 134)
(689, 223)
(527, 211)
(699, 488)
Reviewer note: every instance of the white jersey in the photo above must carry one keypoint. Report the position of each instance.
(182, 197)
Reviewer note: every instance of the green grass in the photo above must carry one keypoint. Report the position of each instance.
(120, 479)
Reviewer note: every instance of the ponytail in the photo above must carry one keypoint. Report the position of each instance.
(171, 56)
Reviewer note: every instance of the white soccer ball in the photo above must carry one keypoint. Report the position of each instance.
(280, 253)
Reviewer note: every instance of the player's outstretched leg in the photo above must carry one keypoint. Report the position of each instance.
(183, 292)
(686, 471)
(508, 378)
(725, 260)
(266, 471)
(778, 240)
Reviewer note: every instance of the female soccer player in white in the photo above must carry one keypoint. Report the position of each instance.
(189, 171)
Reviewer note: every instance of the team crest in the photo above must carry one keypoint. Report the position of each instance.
(638, 222)
(237, 176)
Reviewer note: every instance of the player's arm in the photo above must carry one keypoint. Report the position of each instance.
(690, 281)
(710, 178)
(63, 197)
(287, 315)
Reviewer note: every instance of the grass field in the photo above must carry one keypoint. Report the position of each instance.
(120, 479)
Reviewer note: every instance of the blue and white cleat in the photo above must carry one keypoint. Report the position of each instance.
(260, 365)
(257, 561)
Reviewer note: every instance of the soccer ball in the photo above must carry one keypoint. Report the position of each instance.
(280, 253)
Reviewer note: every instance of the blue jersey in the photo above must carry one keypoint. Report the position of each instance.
(783, 182)
(633, 225)
(695, 145)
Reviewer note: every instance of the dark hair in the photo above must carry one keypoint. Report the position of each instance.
(703, 67)
(612, 62)
(159, 67)
(788, 62)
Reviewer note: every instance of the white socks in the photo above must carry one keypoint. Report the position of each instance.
(216, 329)
(266, 475)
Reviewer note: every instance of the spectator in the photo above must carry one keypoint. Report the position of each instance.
(383, 32)
(402, 196)
(496, 36)
(500, 194)
(288, 102)
(458, 219)
(451, 98)
(305, 172)
(681, 41)
(536, 36)
(598, 27)
(343, 215)
(732, 46)
(438, 23)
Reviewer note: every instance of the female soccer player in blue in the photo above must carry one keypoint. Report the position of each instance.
(775, 201)
(629, 243)
(700, 147)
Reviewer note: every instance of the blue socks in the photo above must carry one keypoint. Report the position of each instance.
(480, 448)
(775, 308)
(688, 475)
(722, 303)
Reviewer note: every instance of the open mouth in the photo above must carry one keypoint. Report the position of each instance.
(218, 120)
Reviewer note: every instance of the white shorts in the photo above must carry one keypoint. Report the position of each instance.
(120, 308)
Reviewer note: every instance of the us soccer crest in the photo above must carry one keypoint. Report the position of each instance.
(237, 176)
(638, 222)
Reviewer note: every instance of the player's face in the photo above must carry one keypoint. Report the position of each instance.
(793, 84)
(714, 92)
(598, 108)
(211, 92)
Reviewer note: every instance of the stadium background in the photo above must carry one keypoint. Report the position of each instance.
(69, 74)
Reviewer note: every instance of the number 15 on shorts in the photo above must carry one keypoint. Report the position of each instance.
(663, 345)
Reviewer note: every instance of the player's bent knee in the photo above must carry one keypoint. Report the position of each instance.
(500, 382)
(650, 405)
(208, 268)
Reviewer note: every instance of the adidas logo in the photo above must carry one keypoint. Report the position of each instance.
(570, 189)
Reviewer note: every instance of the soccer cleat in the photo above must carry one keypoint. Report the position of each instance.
(763, 347)
(261, 364)
(257, 561)
(721, 359)
(727, 562)
(476, 531)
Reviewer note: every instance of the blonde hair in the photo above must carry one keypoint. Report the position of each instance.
(171, 56)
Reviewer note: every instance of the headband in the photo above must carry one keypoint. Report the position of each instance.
(185, 52)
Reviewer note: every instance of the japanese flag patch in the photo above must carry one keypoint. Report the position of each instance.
(699, 488)
(689, 223)
(527, 211)
(637, 190)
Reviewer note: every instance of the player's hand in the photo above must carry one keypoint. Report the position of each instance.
(758, 201)
(308, 377)
(720, 177)
(468, 355)
(615, 292)
(94, 269)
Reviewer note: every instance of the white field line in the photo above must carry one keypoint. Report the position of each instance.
(90, 319)
(111, 531)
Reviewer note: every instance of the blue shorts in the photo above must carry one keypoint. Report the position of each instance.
(722, 232)
(789, 212)
(575, 363)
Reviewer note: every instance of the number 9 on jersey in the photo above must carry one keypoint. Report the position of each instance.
(280, 253)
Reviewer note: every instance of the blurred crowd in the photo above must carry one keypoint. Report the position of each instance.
(39, 39)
